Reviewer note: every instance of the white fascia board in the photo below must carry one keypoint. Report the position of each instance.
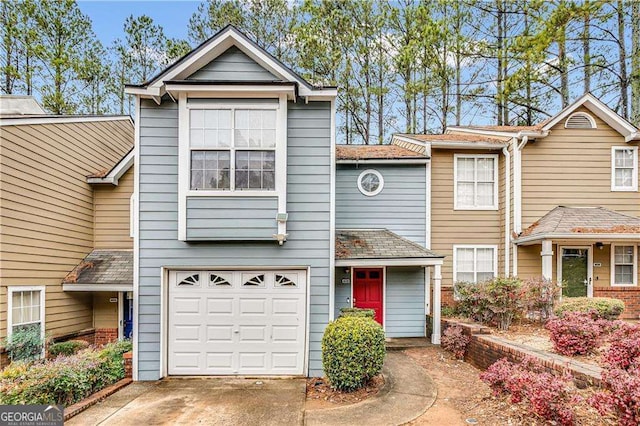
(573, 236)
(390, 262)
(60, 120)
(116, 173)
(97, 287)
(385, 161)
(632, 137)
(530, 133)
(596, 106)
(231, 89)
(468, 145)
(409, 140)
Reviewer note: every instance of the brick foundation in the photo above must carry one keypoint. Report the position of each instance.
(105, 335)
(87, 335)
(485, 349)
(629, 295)
(446, 297)
(128, 364)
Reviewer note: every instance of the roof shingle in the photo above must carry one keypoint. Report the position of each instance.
(377, 244)
(583, 220)
(103, 267)
(367, 152)
(455, 138)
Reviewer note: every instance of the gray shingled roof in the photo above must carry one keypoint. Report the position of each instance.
(377, 244)
(583, 220)
(103, 267)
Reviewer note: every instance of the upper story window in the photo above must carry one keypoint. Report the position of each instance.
(476, 182)
(370, 182)
(474, 264)
(232, 149)
(624, 261)
(624, 168)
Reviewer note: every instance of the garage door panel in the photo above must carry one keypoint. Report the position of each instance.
(222, 326)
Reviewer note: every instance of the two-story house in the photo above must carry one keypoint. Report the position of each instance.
(558, 200)
(54, 214)
(253, 229)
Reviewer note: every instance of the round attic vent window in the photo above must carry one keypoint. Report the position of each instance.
(370, 182)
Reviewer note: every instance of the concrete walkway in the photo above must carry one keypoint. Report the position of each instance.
(407, 394)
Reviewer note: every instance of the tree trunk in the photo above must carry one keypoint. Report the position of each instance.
(635, 62)
(562, 64)
(624, 82)
(500, 77)
(586, 48)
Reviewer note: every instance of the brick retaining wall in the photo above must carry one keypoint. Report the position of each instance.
(484, 349)
(629, 295)
(106, 335)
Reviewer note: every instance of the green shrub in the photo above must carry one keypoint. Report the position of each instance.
(497, 301)
(64, 380)
(602, 307)
(25, 343)
(357, 312)
(448, 311)
(69, 347)
(353, 352)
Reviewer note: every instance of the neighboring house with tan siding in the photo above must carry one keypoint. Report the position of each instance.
(52, 217)
(568, 210)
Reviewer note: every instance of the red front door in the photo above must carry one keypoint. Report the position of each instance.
(367, 290)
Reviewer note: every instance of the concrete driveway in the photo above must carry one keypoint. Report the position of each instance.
(208, 401)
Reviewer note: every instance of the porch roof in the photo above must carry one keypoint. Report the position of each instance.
(582, 223)
(380, 247)
(102, 270)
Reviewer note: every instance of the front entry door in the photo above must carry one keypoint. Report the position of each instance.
(127, 315)
(575, 271)
(367, 290)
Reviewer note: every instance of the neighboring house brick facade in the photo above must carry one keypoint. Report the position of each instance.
(51, 216)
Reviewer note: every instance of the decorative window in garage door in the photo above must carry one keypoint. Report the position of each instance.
(220, 280)
(251, 280)
(284, 281)
(188, 280)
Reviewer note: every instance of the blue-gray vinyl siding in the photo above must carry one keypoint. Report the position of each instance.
(231, 218)
(308, 205)
(342, 291)
(400, 207)
(233, 65)
(405, 302)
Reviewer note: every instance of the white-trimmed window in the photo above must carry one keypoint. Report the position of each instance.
(476, 182)
(25, 308)
(370, 182)
(474, 264)
(624, 265)
(624, 168)
(232, 149)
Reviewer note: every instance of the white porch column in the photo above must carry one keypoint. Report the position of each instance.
(547, 259)
(437, 281)
(427, 291)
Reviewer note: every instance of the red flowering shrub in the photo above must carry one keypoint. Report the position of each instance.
(455, 341)
(621, 376)
(575, 333)
(545, 394)
(538, 296)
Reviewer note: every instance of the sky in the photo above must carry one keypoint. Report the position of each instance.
(108, 16)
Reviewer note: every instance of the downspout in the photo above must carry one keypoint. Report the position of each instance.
(507, 209)
(517, 194)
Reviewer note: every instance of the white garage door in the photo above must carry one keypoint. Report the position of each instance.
(237, 322)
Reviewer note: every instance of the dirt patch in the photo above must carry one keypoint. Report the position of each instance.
(321, 395)
(463, 397)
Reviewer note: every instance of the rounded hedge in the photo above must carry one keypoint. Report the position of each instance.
(69, 347)
(603, 307)
(357, 312)
(353, 352)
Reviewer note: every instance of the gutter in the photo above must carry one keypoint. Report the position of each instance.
(424, 160)
(575, 236)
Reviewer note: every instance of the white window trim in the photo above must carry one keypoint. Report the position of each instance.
(370, 193)
(474, 246)
(184, 159)
(495, 181)
(583, 114)
(18, 289)
(612, 266)
(634, 186)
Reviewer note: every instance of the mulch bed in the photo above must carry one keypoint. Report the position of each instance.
(320, 394)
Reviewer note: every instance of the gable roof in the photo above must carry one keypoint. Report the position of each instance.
(567, 222)
(541, 130)
(212, 48)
